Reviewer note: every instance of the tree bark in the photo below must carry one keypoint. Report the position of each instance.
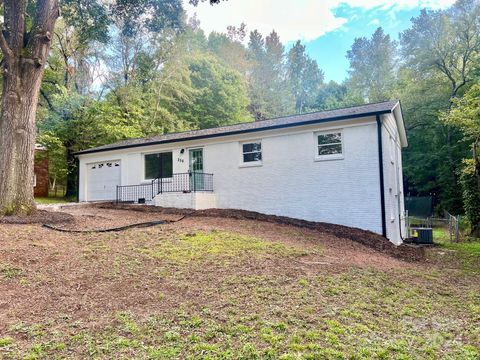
(17, 139)
(25, 55)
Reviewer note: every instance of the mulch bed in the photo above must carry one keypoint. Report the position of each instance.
(405, 251)
(39, 217)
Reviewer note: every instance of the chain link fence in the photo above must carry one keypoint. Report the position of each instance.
(449, 222)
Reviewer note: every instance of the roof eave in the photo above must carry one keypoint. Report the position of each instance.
(398, 114)
(237, 132)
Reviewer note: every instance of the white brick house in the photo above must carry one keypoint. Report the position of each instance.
(342, 166)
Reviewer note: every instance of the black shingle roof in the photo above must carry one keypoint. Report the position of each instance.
(276, 123)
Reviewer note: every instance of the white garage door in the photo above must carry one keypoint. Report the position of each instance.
(102, 180)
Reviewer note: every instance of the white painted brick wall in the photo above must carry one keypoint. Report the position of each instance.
(392, 164)
(291, 183)
(197, 201)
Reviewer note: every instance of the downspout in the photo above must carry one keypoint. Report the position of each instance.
(77, 163)
(382, 180)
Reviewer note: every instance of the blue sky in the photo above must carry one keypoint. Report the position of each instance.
(330, 49)
(327, 27)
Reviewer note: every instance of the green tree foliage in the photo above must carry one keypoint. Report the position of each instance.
(372, 66)
(334, 95)
(165, 97)
(220, 94)
(278, 92)
(471, 194)
(75, 60)
(268, 87)
(78, 122)
(89, 19)
(304, 77)
(257, 84)
(132, 19)
(230, 51)
(465, 115)
(71, 68)
(57, 160)
(83, 24)
(440, 52)
(445, 41)
(426, 170)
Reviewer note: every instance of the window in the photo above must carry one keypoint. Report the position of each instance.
(329, 145)
(158, 165)
(252, 152)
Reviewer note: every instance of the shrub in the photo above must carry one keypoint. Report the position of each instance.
(471, 195)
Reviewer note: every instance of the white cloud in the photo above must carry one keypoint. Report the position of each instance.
(299, 19)
(401, 4)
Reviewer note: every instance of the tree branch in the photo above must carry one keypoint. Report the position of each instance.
(414, 126)
(7, 52)
(47, 11)
(14, 25)
(49, 102)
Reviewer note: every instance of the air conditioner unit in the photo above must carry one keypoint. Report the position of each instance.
(421, 235)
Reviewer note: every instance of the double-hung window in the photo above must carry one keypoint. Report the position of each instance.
(329, 145)
(252, 152)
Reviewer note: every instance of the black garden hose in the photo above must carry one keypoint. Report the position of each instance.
(120, 228)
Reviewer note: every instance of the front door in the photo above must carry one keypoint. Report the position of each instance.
(196, 169)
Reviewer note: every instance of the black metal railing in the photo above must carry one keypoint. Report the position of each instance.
(180, 182)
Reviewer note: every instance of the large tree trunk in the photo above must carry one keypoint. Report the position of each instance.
(17, 138)
(24, 53)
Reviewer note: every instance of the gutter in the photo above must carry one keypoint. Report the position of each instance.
(237, 132)
(382, 180)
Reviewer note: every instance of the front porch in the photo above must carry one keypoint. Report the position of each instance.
(191, 190)
(194, 200)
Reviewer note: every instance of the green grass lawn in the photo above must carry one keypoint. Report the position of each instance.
(51, 200)
(223, 295)
(470, 248)
(466, 251)
(441, 235)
